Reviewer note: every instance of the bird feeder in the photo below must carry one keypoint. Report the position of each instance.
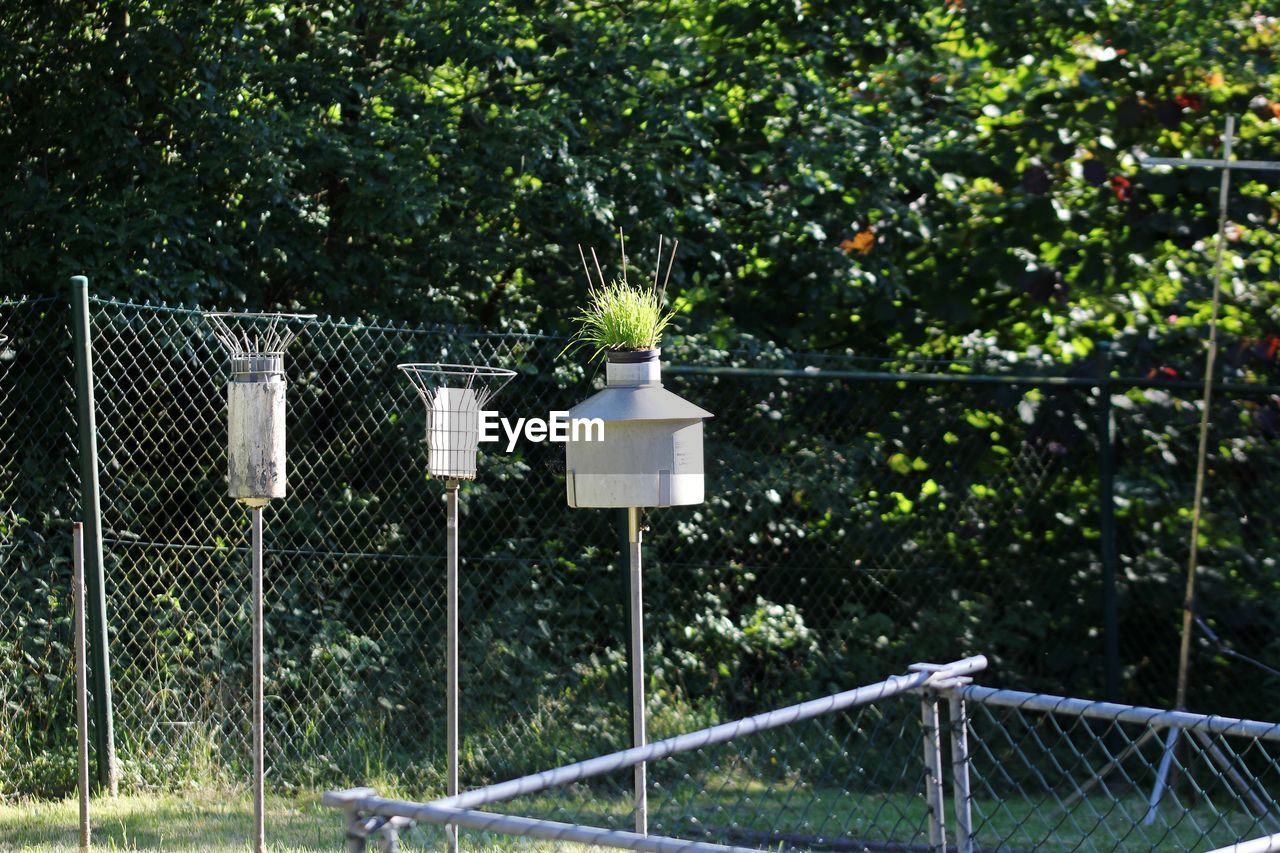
(256, 470)
(651, 452)
(454, 396)
(650, 456)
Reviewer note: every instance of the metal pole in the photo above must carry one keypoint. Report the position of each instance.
(91, 509)
(638, 737)
(82, 694)
(960, 773)
(259, 820)
(933, 790)
(624, 541)
(451, 653)
(1107, 512)
(1162, 774)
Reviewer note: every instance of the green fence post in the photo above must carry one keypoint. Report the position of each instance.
(1107, 523)
(91, 510)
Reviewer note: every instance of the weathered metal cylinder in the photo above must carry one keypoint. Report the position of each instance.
(650, 454)
(256, 439)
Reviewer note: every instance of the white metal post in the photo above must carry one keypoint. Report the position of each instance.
(451, 652)
(634, 537)
(82, 690)
(259, 818)
(960, 773)
(934, 795)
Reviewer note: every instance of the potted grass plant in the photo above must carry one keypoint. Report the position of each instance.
(651, 452)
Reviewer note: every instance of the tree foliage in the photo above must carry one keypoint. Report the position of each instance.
(875, 176)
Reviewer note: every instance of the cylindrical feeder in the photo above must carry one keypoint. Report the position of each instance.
(256, 464)
(651, 452)
(454, 396)
(650, 455)
(256, 470)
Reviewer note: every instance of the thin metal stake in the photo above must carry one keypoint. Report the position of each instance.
(634, 537)
(1162, 775)
(961, 797)
(451, 652)
(259, 820)
(82, 692)
(934, 794)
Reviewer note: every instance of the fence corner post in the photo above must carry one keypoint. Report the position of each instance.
(961, 796)
(91, 512)
(934, 795)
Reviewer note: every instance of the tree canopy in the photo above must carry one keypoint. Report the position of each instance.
(945, 176)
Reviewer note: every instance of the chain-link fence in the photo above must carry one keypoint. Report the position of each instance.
(858, 515)
(921, 761)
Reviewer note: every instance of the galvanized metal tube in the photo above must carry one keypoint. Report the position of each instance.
(1153, 717)
(451, 650)
(690, 741)
(933, 791)
(1269, 844)
(82, 692)
(259, 816)
(1162, 775)
(1210, 163)
(961, 797)
(548, 830)
(638, 735)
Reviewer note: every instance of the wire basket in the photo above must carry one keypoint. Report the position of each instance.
(455, 395)
(256, 342)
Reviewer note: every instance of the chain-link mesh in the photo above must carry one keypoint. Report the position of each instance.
(1048, 773)
(1014, 771)
(37, 480)
(852, 523)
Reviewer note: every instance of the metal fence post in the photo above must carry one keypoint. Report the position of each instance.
(933, 790)
(82, 690)
(91, 510)
(961, 796)
(1107, 526)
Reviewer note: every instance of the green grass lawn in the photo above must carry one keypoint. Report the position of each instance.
(221, 821)
(203, 820)
(206, 821)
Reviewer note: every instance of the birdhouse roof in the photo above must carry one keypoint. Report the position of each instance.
(638, 403)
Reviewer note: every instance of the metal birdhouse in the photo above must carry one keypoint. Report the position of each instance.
(650, 453)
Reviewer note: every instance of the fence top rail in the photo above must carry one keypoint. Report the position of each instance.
(1030, 380)
(690, 741)
(1152, 717)
(405, 327)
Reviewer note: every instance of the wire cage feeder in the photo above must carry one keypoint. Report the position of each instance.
(256, 469)
(454, 396)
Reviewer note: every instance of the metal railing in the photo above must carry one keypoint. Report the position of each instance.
(1027, 771)
(361, 804)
